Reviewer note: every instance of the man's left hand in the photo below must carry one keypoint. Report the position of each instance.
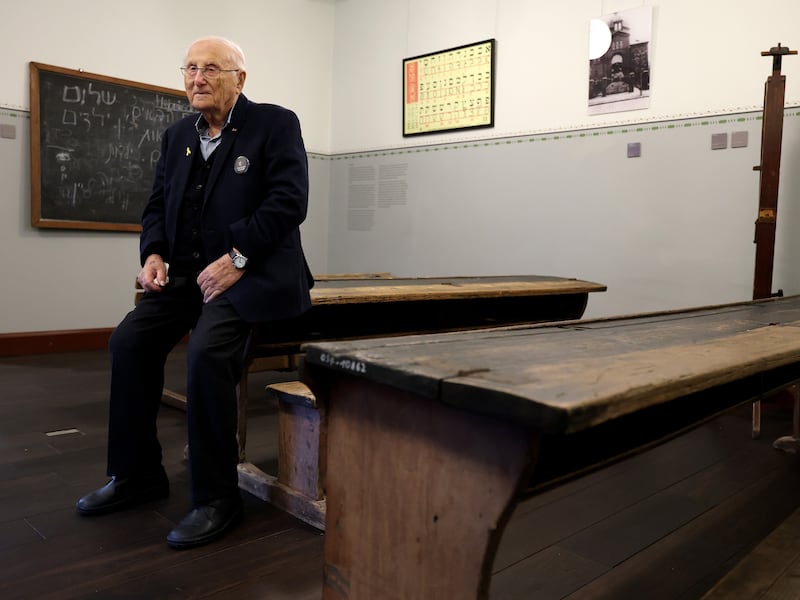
(218, 277)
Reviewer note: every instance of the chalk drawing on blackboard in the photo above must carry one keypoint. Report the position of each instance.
(95, 142)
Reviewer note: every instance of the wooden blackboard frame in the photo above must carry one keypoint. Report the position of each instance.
(48, 203)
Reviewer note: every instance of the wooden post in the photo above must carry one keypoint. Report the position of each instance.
(769, 170)
(771, 134)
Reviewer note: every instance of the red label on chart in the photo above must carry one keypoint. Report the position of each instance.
(412, 82)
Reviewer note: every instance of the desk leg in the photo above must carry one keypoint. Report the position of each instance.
(418, 494)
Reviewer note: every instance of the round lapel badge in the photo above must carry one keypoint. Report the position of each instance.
(241, 164)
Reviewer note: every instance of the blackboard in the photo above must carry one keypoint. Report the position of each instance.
(95, 142)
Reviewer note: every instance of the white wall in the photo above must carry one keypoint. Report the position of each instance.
(671, 229)
(705, 59)
(57, 280)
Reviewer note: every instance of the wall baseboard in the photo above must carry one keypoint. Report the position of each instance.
(46, 342)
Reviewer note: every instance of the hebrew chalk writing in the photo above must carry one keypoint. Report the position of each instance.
(99, 143)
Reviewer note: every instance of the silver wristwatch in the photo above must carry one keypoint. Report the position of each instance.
(239, 260)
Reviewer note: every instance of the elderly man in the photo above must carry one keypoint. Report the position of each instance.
(230, 192)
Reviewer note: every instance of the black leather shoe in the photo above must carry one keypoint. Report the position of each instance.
(122, 493)
(206, 523)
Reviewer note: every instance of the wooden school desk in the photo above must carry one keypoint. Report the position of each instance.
(354, 307)
(432, 439)
(364, 306)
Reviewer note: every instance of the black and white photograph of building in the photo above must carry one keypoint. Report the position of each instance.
(619, 62)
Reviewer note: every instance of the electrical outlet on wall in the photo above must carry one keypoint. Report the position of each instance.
(739, 139)
(719, 141)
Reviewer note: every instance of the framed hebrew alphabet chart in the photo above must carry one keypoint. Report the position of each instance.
(95, 142)
(449, 90)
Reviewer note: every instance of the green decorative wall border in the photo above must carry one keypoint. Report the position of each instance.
(14, 113)
(576, 134)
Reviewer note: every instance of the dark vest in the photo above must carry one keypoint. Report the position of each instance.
(188, 257)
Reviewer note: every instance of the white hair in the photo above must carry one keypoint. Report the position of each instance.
(236, 55)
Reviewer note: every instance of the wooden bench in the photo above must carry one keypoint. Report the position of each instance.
(301, 457)
(433, 439)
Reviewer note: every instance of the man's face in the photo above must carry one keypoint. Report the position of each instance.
(217, 95)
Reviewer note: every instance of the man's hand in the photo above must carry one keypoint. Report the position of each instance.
(153, 275)
(218, 277)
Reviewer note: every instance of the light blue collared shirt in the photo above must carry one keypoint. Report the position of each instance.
(207, 143)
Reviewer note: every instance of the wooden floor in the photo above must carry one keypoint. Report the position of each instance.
(711, 513)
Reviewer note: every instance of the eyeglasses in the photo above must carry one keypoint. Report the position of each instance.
(209, 71)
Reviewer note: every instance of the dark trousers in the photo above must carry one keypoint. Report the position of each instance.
(215, 361)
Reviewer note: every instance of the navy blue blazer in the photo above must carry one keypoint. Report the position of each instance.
(255, 200)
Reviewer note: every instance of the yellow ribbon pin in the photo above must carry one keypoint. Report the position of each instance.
(188, 151)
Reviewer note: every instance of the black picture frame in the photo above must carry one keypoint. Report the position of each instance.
(449, 90)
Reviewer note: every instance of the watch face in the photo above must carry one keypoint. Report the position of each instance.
(239, 261)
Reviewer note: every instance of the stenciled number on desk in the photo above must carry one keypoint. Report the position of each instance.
(449, 90)
(345, 364)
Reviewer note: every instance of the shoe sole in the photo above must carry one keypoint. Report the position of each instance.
(123, 504)
(208, 538)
